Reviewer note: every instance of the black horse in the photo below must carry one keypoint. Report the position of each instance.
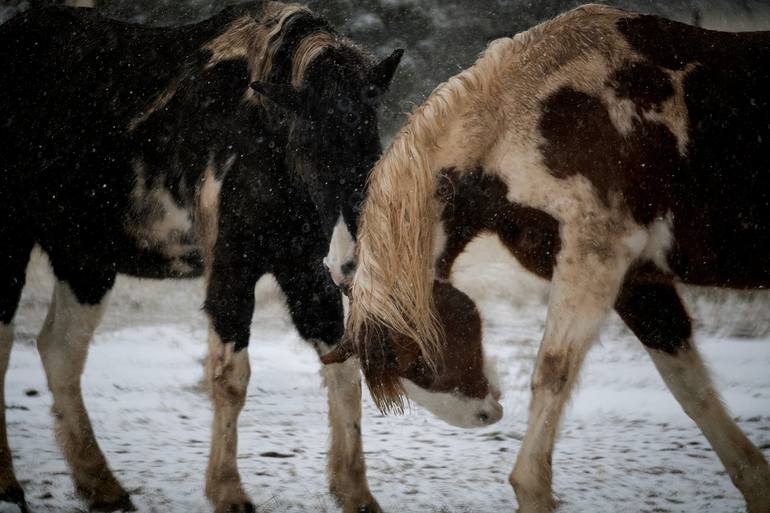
(153, 152)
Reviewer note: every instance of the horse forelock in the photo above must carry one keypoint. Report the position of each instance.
(260, 40)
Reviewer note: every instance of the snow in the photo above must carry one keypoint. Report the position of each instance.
(625, 445)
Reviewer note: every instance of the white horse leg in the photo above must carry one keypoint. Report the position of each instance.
(689, 381)
(228, 375)
(14, 256)
(10, 491)
(63, 346)
(347, 469)
(585, 284)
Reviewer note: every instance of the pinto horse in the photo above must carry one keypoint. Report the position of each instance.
(615, 154)
(152, 156)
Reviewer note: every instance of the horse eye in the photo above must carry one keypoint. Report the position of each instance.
(371, 94)
(344, 104)
(351, 119)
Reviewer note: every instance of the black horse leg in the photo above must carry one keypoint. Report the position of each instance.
(316, 309)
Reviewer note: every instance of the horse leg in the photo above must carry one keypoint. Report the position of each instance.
(316, 309)
(578, 305)
(229, 305)
(13, 264)
(74, 314)
(655, 313)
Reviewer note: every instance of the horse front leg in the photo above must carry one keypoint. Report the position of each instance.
(14, 256)
(316, 308)
(653, 310)
(229, 305)
(586, 279)
(63, 346)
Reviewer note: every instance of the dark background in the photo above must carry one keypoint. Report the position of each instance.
(441, 37)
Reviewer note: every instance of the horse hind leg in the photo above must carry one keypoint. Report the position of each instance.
(13, 264)
(63, 346)
(655, 313)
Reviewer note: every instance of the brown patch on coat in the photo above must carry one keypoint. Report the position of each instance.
(638, 168)
(476, 203)
(461, 368)
(645, 84)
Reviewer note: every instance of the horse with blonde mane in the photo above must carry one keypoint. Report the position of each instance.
(613, 153)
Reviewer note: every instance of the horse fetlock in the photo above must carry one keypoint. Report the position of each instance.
(533, 493)
(226, 494)
(101, 490)
(756, 489)
(353, 497)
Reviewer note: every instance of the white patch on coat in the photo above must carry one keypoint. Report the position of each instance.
(673, 112)
(660, 241)
(439, 240)
(341, 252)
(156, 221)
(455, 409)
(622, 112)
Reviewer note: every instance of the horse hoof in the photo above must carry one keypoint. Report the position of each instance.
(244, 507)
(14, 495)
(123, 503)
(372, 507)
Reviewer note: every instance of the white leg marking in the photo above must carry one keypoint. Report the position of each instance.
(228, 375)
(347, 468)
(7, 476)
(689, 381)
(341, 252)
(590, 268)
(63, 347)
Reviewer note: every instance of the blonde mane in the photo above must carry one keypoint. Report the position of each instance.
(258, 40)
(393, 284)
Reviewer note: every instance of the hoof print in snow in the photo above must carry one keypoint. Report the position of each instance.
(273, 454)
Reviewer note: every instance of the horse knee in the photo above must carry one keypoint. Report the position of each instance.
(229, 373)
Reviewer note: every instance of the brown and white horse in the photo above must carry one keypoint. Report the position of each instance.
(612, 152)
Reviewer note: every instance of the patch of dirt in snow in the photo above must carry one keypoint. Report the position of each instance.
(625, 445)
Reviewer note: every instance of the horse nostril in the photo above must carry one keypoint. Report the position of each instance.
(483, 417)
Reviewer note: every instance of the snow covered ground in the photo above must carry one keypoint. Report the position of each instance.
(625, 446)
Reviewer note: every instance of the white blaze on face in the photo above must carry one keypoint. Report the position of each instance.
(458, 410)
(341, 253)
(454, 409)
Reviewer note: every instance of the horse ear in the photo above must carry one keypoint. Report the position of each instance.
(283, 95)
(382, 74)
(341, 352)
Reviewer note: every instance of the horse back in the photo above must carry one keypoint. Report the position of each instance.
(720, 190)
